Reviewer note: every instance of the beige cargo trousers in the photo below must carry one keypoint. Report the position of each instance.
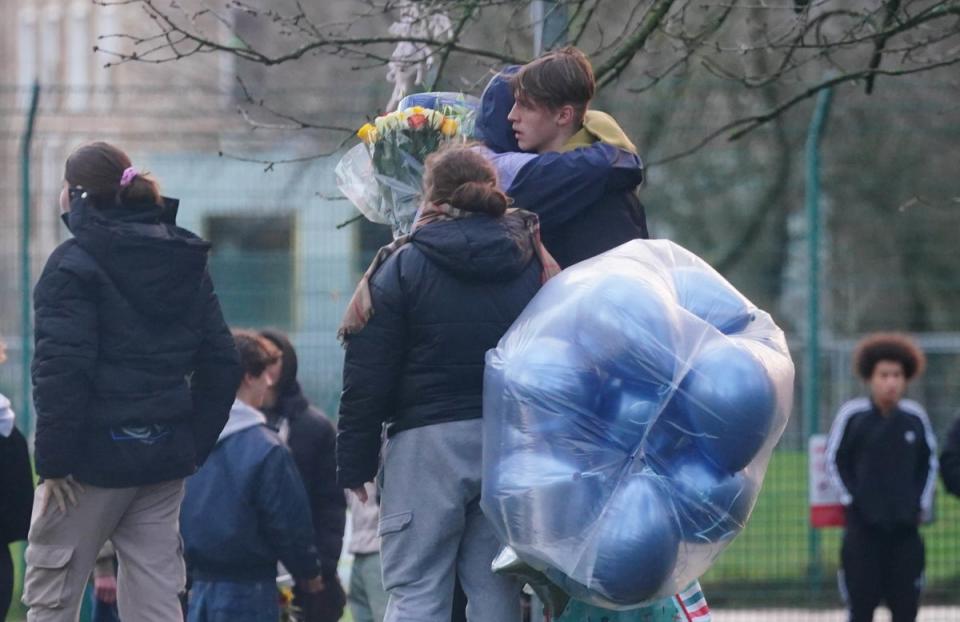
(144, 525)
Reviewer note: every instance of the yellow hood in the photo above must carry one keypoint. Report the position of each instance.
(599, 126)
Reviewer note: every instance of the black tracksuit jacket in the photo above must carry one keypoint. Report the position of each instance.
(886, 466)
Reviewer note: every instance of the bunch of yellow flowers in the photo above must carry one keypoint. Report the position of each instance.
(414, 118)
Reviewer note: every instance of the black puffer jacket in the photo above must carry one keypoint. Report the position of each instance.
(950, 460)
(312, 440)
(135, 370)
(440, 303)
(16, 487)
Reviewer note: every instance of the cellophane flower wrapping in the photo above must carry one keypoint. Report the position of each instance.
(382, 175)
(629, 416)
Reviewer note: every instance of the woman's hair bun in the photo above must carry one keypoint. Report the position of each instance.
(480, 196)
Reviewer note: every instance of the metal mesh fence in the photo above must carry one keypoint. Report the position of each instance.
(280, 259)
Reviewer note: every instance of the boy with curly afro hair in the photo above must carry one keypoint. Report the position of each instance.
(882, 454)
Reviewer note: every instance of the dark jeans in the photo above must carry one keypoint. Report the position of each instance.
(233, 601)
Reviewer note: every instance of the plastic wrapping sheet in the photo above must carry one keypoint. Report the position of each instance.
(382, 175)
(629, 416)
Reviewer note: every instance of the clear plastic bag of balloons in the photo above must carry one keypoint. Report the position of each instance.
(382, 175)
(629, 415)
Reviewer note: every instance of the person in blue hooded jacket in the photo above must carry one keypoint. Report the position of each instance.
(574, 167)
(246, 509)
(134, 371)
(416, 333)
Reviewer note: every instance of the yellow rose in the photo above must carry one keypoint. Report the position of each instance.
(417, 110)
(449, 127)
(367, 133)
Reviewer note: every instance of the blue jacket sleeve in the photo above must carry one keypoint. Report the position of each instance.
(66, 346)
(558, 186)
(283, 511)
(371, 369)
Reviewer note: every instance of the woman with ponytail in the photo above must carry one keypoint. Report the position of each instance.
(134, 374)
(416, 332)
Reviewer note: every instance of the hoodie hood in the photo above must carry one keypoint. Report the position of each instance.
(242, 417)
(600, 127)
(156, 265)
(478, 247)
(7, 417)
(495, 104)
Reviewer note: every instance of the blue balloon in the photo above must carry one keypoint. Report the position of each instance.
(730, 403)
(627, 410)
(629, 330)
(710, 505)
(543, 499)
(553, 378)
(636, 548)
(712, 299)
(669, 436)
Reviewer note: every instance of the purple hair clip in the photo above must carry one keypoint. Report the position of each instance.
(129, 174)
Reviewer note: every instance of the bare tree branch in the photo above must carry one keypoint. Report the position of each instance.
(634, 45)
(750, 123)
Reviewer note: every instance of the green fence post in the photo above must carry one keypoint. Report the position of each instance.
(811, 399)
(25, 278)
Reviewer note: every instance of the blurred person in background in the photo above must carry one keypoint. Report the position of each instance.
(312, 439)
(367, 598)
(950, 460)
(16, 492)
(882, 456)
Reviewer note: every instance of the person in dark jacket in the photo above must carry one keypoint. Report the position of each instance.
(312, 439)
(16, 492)
(246, 509)
(882, 456)
(133, 373)
(584, 172)
(950, 460)
(583, 184)
(416, 333)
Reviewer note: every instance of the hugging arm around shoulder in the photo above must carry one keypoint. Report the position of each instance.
(371, 371)
(65, 357)
(558, 186)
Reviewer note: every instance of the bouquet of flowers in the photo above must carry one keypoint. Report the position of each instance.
(288, 611)
(382, 175)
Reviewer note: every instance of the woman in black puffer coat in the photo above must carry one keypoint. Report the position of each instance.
(416, 335)
(134, 374)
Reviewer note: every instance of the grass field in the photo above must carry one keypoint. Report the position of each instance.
(770, 563)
